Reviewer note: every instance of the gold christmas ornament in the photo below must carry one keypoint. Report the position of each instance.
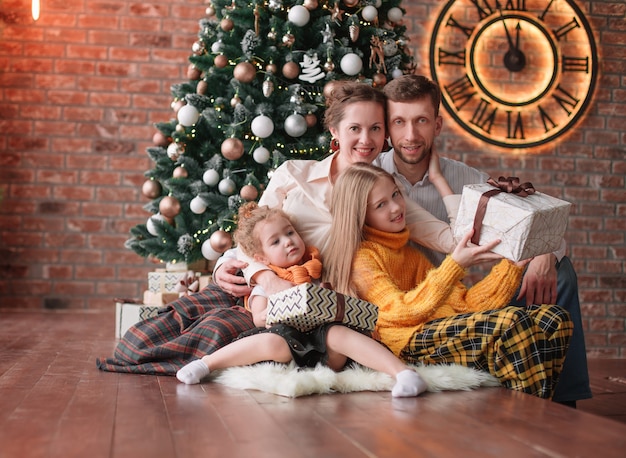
(232, 149)
(291, 70)
(329, 65)
(220, 241)
(311, 119)
(202, 87)
(220, 61)
(227, 24)
(311, 4)
(244, 72)
(329, 88)
(159, 139)
(169, 207)
(249, 192)
(151, 189)
(180, 172)
(271, 68)
(235, 101)
(193, 73)
(177, 105)
(351, 3)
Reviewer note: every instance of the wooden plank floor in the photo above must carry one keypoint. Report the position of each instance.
(55, 403)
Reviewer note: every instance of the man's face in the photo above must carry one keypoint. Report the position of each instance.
(413, 127)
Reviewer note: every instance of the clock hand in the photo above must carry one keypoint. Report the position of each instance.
(508, 35)
(514, 59)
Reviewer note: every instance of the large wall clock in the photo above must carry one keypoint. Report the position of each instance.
(514, 73)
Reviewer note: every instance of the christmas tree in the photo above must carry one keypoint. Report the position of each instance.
(258, 76)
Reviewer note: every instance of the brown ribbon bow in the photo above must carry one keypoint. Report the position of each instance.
(510, 185)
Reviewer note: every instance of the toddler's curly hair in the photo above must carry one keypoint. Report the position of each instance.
(251, 214)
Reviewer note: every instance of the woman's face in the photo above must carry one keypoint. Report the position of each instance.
(385, 207)
(361, 133)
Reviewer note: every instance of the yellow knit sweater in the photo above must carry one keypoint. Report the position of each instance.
(409, 291)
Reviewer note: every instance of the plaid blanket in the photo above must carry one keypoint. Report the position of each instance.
(182, 331)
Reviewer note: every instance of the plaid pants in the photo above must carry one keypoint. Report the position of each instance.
(184, 330)
(524, 348)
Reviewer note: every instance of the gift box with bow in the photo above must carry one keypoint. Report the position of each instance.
(307, 306)
(528, 222)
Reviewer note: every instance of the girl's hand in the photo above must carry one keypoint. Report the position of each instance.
(467, 254)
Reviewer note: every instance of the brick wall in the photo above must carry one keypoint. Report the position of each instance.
(81, 88)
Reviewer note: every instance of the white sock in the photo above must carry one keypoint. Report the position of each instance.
(193, 372)
(408, 384)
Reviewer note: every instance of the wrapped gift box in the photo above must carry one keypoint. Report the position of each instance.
(307, 306)
(164, 281)
(129, 313)
(528, 226)
(159, 299)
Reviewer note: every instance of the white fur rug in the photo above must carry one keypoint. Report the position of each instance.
(291, 381)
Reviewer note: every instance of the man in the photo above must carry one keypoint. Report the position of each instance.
(413, 123)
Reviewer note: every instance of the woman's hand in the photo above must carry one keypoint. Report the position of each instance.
(227, 278)
(467, 254)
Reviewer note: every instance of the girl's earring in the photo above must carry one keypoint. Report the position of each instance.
(334, 145)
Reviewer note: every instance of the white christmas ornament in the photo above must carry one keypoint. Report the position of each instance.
(188, 115)
(216, 47)
(208, 252)
(396, 73)
(197, 205)
(394, 14)
(262, 126)
(151, 227)
(261, 155)
(295, 125)
(227, 187)
(299, 15)
(351, 64)
(211, 177)
(369, 13)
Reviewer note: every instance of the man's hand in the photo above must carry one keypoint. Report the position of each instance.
(226, 278)
(539, 282)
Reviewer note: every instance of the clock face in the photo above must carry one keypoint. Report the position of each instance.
(514, 73)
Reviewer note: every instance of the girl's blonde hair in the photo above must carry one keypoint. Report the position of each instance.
(348, 208)
(250, 214)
